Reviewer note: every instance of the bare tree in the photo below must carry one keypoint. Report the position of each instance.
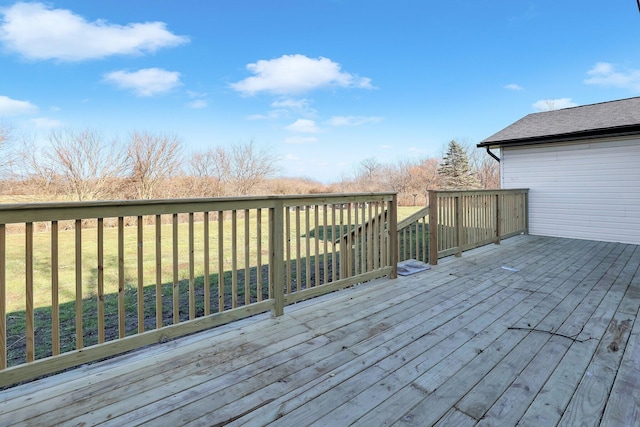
(152, 159)
(85, 163)
(345, 184)
(34, 168)
(483, 166)
(397, 176)
(488, 172)
(6, 154)
(247, 167)
(425, 174)
(370, 167)
(368, 175)
(208, 171)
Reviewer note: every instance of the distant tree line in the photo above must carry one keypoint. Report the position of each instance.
(86, 165)
(460, 168)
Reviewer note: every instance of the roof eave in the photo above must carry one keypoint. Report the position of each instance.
(573, 136)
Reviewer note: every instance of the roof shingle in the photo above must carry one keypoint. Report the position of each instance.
(601, 118)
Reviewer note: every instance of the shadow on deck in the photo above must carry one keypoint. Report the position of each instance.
(536, 331)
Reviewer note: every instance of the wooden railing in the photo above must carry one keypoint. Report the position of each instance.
(461, 220)
(413, 236)
(456, 221)
(84, 281)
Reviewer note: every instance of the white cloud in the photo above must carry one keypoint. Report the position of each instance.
(352, 120)
(553, 104)
(295, 74)
(45, 123)
(286, 107)
(298, 106)
(14, 107)
(605, 74)
(197, 104)
(39, 32)
(601, 68)
(386, 147)
(301, 140)
(198, 101)
(145, 82)
(303, 126)
(289, 103)
(513, 86)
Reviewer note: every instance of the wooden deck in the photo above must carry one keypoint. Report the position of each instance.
(471, 342)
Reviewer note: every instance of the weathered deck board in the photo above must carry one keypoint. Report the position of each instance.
(623, 406)
(551, 402)
(526, 383)
(497, 337)
(466, 343)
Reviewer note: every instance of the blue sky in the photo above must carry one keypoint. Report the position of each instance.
(322, 83)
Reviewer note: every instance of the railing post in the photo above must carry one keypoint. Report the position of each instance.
(433, 227)
(498, 219)
(458, 218)
(393, 236)
(276, 257)
(3, 298)
(526, 211)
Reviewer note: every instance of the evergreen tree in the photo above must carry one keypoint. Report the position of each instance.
(455, 170)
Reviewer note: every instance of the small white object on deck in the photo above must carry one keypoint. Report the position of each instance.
(411, 266)
(504, 267)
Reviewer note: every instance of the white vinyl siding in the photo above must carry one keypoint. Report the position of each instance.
(587, 190)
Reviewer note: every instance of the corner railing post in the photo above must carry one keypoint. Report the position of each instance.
(498, 220)
(526, 211)
(276, 257)
(393, 236)
(433, 227)
(3, 299)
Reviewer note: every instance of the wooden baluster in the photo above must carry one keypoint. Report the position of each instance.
(30, 327)
(159, 311)
(100, 254)
(207, 275)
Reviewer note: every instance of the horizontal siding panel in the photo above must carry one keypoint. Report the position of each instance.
(550, 168)
(584, 167)
(584, 190)
(573, 220)
(584, 199)
(589, 235)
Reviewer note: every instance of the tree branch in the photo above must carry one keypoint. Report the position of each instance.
(572, 338)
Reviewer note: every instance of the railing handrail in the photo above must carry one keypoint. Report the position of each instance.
(478, 191)
(410, 220)
(59, 211)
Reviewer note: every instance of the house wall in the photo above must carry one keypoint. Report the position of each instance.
(587, 190)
